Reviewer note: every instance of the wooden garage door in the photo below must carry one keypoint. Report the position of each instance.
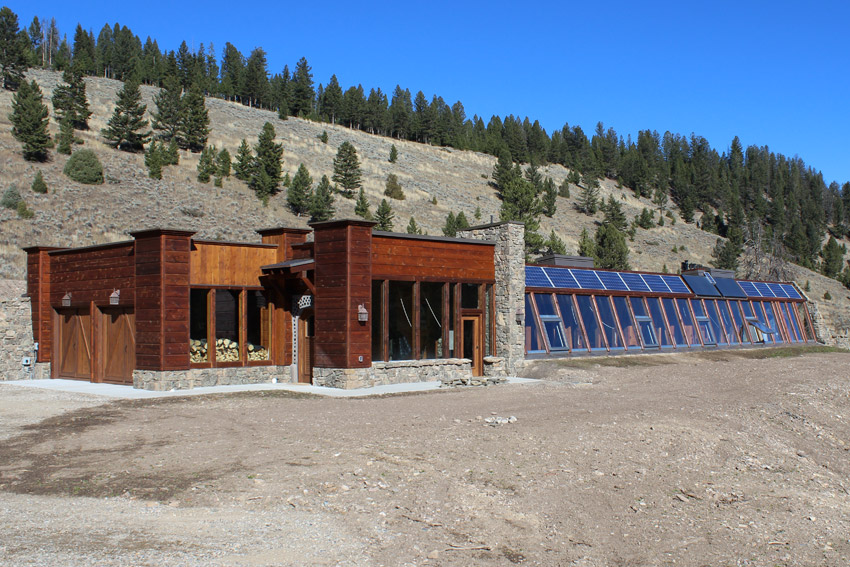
(117, 345)
(74, 353)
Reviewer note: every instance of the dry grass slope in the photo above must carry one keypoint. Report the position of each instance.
(75, 215)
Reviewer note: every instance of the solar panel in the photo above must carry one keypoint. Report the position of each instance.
(676, 284)
(561, 277)
(655, 283)
(764, 290)
(729, 288)
(791, 292)
(587, 279)
(777, 290)
(535, 277)
(749, 289)
(634, 282)
(701, 286)
(612, 281)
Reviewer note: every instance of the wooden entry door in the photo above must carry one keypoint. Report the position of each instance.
(116, 345)
(73, 355)
(472, 341)
(305, 348)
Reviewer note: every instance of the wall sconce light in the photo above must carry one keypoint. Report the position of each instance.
(66, 300)
(362, 313)
(520, 316)
(115, 297)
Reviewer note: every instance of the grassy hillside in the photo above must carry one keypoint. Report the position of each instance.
(76, 215)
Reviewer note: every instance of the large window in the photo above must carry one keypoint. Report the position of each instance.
(377, 320)
(673, 318)
(609, 322)
(658, 321)
(644, 323)
(229, 326)
(714, 319)
(688, 327)
(731, 335)
(743, 332)
(554, 329)
(430, 320)
(591, 324)
(791, 321)
(199, 325)
(772, 322)
(575, 337)
(627, 324)
(400, 315)
(533, 338)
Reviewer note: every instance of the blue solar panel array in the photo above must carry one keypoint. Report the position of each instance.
(573, 278)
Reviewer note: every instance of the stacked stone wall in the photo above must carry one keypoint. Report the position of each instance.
(826, 334)
(16, 341)
(204, 377)
(395, 372)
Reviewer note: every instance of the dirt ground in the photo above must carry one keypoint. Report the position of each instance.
(721, 459)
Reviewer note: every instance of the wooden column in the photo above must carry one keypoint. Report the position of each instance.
(162, 299)
(38, 290)
(343, 270)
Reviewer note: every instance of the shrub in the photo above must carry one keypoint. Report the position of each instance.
(393, 189)
(11, 197)
(827, 296)
(38, 184)
(23, 211)
(84, 167)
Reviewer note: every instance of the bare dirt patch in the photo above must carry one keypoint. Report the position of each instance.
(692, 461)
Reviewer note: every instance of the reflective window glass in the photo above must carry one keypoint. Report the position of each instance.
(688, 327)
(723, 308)
(759, 311)
(609, 323)
(545, 305)
(575, 338)
(533, 339)
(627, 324)
(714, 319)
(735, 307)
(792, 321)
(644, 323)
(591, 325)
(377, 321)
(703, 324)
(430, 320)
(808, 333)
(658, 321)
(673, 318)
(400, 316)
(772, 322)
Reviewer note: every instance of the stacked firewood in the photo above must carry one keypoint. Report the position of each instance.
(198, 350)
(257, 352)
(226, 350)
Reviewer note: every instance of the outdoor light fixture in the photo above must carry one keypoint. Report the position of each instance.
(519, 315)
(362, 313)
(66, 300)
(115, 297)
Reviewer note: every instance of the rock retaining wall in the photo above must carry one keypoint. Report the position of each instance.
(825, 334)
(202, 377)
(395, 372)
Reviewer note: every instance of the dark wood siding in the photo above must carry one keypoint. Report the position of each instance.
(401, 258)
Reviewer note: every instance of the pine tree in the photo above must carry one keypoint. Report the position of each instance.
(323, 137)
(126, 127)
(13, 58)
(533, 176)
(300, 193)
(321, 205)
(564, 189)
(66, 138)
(244, 166)
(833, 258)
(347, 169)
(612, 252)
(206, 165)
(550, 198)
(393, 154)
(170, 153)
(194, 126)
(153, 160)
(554, 245)
(614, 214)
(222, 162)
(166, 118)
(266, 176)
(29, 121)
(586, 245)
(70, 101)
(384, 217)
(412, 227)
(588, 200)
(38, 184)
(646, 219)
(361, 208)
(450, 228)
(520, 203)
(460, 222)
(302, 89)
(393, 188)
(503, 170)
(477, 213)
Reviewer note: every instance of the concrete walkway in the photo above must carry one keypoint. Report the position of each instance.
(127, 392)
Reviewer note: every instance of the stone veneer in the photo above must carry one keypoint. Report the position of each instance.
(395, 372)
(16, 341)
(824, 333)
(201, 377)
(510, 291)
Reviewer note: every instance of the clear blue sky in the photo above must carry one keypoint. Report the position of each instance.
(774, 73)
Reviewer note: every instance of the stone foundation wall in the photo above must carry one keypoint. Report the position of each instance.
(202, 377)
(825, 334)
(396, 372)
(16, 341)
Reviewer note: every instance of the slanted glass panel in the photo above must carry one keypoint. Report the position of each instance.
(575, 338)
(377, 320)
(627, 324)
(703, 324)
(760, 317)
(533, 338)
(658, 322)
(731, 336)
(735, 307)
(400, 316)
(714, 319)
(259, 326)
(545, 305)
(227, 318)
(430, 320)
(469, 296)
(644, 323)
(198, 329)
(609, 322)
(591, 325)
(673, 318)
(488, 320)
(790, 321)
(689, 328)
(808, 332)
(773, 323)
